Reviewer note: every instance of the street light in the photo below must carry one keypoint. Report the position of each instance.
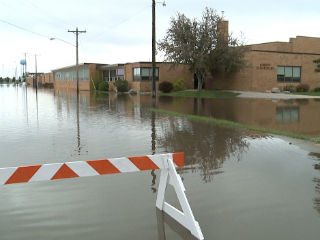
(59, 39)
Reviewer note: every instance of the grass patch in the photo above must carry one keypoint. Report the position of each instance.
(231, 124)
(308, 93)
(202, 94)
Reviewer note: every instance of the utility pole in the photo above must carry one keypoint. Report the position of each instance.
(77, 32)
(153, 48)
(36, 79)
(154, 91)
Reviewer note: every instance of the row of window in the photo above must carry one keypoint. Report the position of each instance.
(72, 75)
(288, 74)
(285, 74)
(139, 74)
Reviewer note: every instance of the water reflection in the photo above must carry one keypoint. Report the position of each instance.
(317, 180)
(205, 146)
(163, 218)
(153, 142)
(78, 127)
(295, 115)
(261, 182)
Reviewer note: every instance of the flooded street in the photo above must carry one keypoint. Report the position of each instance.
(240, 184)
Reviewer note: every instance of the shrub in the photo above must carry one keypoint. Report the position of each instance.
(289, 88)
(178, 84)
(122, 85)
(165, 87)
(317, 89)
(103, 86)
(302, 88)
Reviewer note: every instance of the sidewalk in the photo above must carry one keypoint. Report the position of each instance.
(249, 94)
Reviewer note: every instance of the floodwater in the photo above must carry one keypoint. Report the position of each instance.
(240, 185)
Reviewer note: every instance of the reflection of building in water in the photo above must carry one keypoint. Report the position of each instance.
(298, 116)
(287, 114)
(206, 146)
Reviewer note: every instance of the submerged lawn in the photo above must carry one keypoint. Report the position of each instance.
(308, 93)
(232, 124)
(202, 94)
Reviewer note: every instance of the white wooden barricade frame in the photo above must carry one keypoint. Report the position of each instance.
(164, 162)
(170, 176)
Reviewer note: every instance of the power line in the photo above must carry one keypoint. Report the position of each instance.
(24, 29)
(43, 10)
(99, 35)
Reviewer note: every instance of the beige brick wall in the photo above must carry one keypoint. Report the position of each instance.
(260, 74)
(167, 72)
(83, 85)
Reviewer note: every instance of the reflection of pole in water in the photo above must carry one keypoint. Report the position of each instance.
(153, 141)
(78, 126)
(68, 109)
(26, 93)
(37, 108)
(153, 132)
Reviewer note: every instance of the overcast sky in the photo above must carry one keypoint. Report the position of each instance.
(119, 31)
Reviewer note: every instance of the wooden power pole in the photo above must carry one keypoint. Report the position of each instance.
(153, 48)
(36, 72)
(77, 32)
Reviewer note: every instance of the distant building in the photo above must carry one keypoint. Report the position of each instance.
(66, 77)
(46, 79)
(137, 74)
(274, 64)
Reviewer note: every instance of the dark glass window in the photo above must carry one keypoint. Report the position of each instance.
(111, 75)
(288, 74)
(280, 74)
(144, 74)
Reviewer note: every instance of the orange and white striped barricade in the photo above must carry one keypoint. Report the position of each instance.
(167, 163)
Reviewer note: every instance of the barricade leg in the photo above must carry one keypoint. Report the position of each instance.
(185, 218)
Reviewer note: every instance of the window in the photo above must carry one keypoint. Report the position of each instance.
(288, 74)
(120, 72)
(136, 74)
(287, 114)
(296, 73)
(144, 74)
(111, 75)
(280, 74)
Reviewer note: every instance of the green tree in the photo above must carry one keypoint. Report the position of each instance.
(317, 61)
(201, 45)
